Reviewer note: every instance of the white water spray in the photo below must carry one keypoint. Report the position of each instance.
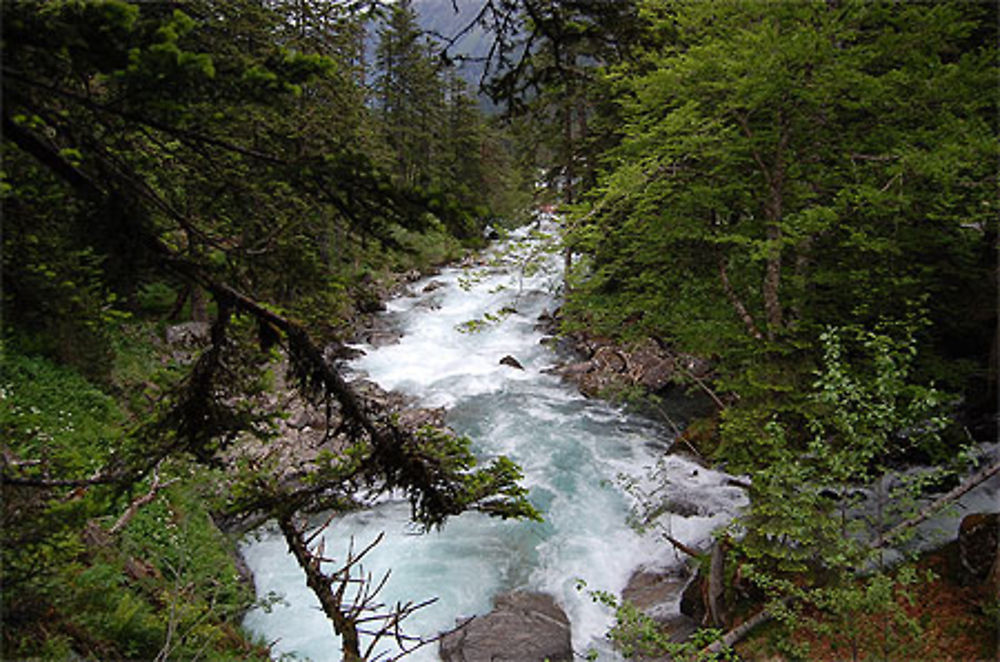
(573, 452)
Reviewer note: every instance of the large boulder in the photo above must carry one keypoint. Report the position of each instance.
(523, 627)
(651, 367)
(433, 285)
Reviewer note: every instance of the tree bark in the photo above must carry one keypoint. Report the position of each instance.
(321, 586)
(716, 584)
(774, 210)
(741, 310)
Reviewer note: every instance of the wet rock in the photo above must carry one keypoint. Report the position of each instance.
(651, 367)
(547, 322)
(512, 362)
(609, 367)
(433, 285)
(977, 546)
(431, 303)
(340, 352)
(656, 592)
(684, 508)
(695, 365)
(383, 338)
(523, 627)
(414, 419)
(573, 371)
(609, 359)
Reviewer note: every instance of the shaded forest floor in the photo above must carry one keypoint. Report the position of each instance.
(941, 620)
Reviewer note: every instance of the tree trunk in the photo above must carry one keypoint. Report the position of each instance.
(199, 304)
(773, 212)
(320, 585)
(741, 310)
(772, 280)
(716, 585)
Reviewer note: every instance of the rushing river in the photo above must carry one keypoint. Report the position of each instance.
(574, 453)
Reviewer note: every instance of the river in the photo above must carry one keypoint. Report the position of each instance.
(575, 453)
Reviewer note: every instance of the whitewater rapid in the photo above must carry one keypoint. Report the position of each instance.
(576, 455)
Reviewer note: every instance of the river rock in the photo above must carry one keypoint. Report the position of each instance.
(433, 285)
(419, 417)
(383, 338)
(523, 627)
(340, 352)
(977, 546)
(656, 592)
(609, 359)
(608, 367)
(512, 362)
(650, 367)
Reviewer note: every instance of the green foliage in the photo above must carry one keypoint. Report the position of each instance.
(486, 321)
(218, 161)
(168, 584)
(821, 506)
(871, 616)
(52, 415)
(637, 635)
(749, 204)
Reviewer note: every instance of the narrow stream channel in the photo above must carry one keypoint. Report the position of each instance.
(574, 453)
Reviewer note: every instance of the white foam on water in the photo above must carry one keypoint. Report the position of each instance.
(572, 452)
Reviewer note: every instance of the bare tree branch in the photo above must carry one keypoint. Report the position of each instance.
(363, 613)
(154, 489)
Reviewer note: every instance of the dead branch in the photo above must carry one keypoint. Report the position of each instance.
(155, 487)
(740, 631)
(361, 612)
(690, 551)
(930, 509)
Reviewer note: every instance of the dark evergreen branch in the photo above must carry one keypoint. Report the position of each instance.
(42, 482)
(181, 134)
(51, 159)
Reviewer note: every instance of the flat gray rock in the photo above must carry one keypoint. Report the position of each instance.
(523, 627)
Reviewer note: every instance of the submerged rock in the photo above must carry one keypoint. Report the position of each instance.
(523, 627)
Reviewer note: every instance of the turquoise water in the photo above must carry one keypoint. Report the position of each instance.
(574, 453)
